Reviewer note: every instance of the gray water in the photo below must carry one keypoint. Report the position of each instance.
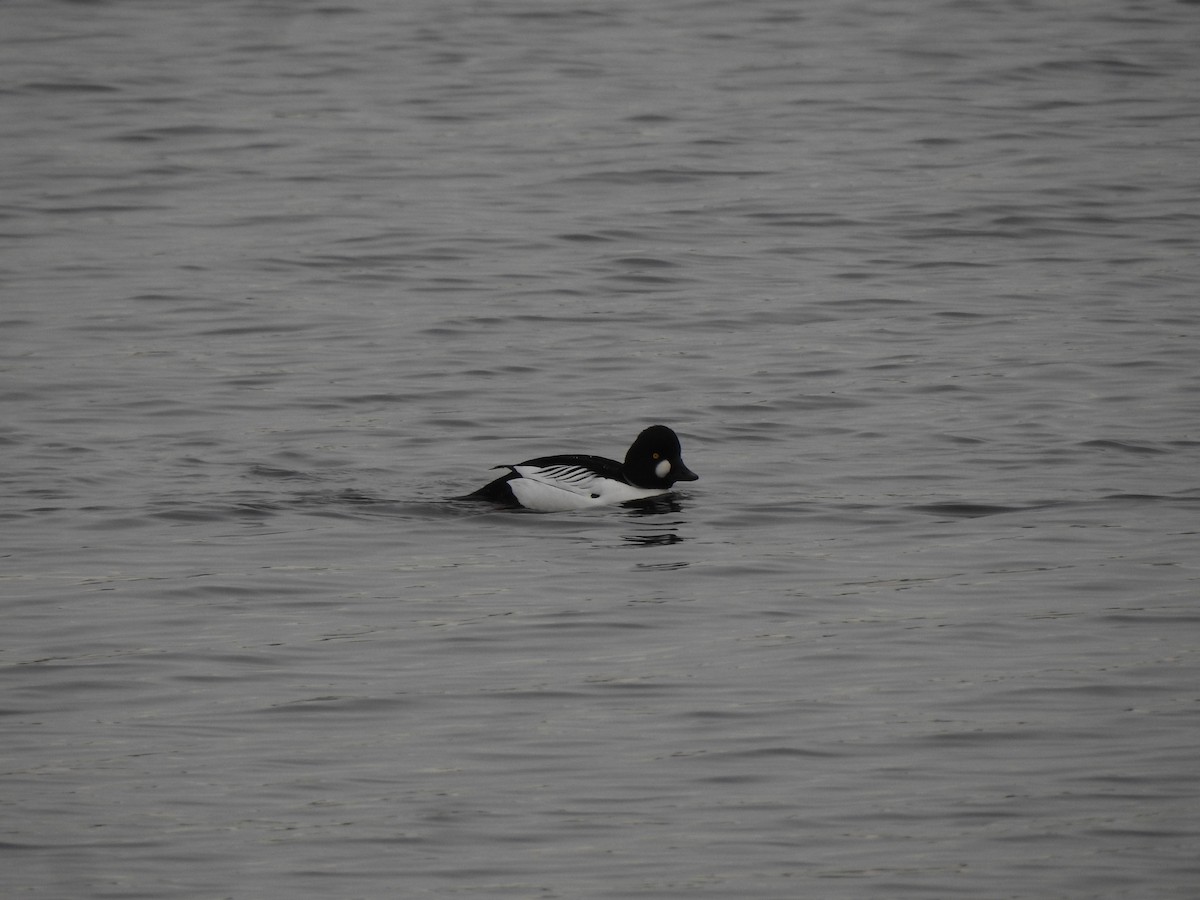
(916, 283)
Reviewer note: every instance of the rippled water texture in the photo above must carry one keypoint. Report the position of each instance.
(915, 282)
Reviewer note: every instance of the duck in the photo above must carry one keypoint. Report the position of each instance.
(653, 465)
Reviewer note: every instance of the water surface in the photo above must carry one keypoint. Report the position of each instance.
(915, 283)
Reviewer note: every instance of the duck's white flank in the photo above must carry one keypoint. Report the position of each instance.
(560, 488)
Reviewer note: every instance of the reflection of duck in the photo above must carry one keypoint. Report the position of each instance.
(654, 506)
(652, 466)
(649, 540)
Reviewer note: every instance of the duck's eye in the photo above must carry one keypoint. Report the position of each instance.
(654, 456)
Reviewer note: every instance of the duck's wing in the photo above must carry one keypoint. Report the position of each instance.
(567, 477)
(597, 465)
(554, 483)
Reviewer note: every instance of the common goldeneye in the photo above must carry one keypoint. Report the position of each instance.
(576, 481)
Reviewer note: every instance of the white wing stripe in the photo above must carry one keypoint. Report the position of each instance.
(562, 487)
(567, 478)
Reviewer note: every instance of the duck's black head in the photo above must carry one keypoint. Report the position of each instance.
(655, 461)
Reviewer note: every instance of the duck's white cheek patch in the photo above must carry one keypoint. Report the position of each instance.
(663, 468)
